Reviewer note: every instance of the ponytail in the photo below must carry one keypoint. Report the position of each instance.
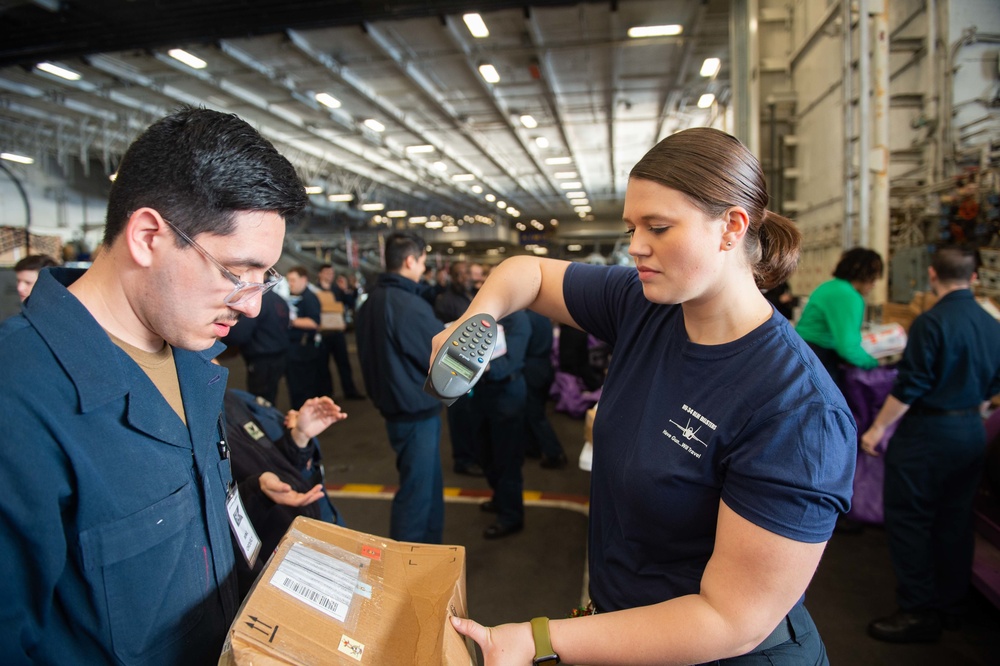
(778, 244)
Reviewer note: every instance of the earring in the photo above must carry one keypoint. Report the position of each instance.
(729, 244)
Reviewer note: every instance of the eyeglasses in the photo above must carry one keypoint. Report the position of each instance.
(242, 291)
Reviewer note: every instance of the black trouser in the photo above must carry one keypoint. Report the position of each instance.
(462, 433)
(499, 413)
(336, 344)
(932, 469)
(542, 439)
(263, 375)
(304, 373)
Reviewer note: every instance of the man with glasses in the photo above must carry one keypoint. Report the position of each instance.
(115, 542)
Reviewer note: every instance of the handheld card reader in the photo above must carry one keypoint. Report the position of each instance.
(462, 359)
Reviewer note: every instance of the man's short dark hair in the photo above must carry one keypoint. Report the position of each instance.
(954, 263)
(198, 168)
(399, 246)
(299, 270)
(35, 262)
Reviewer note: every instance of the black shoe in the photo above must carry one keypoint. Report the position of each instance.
(488, 507)
(557, 462)
(355, 396)
(907, 627)
(498, 531)
(472, 469)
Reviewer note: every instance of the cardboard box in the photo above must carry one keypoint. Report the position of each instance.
(330, 595)
(331, 317)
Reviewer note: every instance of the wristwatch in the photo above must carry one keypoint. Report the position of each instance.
(544, 654)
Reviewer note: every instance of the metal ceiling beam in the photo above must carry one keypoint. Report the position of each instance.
(436, 98)
(471, 60)
(343, 74)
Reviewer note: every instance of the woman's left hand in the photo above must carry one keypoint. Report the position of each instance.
(505, 645)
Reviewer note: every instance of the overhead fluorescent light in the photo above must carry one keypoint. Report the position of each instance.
(582, 209)
(56, 70)
(14, 157)
(571, 184)
(460, 177)
(419, 219)
(434, 224)
(489, 73)
(326, 99)
(640, 31)
(491, 198)
(476, 25)
(579, 202)
(477, 189)
(513, 212)
(192, 61)
(374, 125)
(459, 243)
(576, 195)
(528, 121)
(314, 189)
(710, 67)
(396, 213)
(541, 142)
(439, 166)
(423, 148)
(706, 100)
(558, 160)
(574, 247)
(340, 197)
(501, 204)
(450, 229)
(563, 175)
(372, 206)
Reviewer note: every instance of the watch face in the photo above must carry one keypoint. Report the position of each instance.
(547, 660)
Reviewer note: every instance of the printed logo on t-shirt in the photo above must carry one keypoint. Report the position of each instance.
(690, 429)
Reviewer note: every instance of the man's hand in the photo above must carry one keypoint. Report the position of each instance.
(280, 492)
(315, 416)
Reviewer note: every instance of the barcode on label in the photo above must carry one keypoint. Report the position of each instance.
(308, 594)
(317, 579)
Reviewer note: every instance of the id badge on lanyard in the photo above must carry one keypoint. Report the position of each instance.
(239, 521)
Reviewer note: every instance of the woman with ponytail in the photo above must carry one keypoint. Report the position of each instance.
(723, 451)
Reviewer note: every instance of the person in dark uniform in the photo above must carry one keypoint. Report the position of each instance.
(395, 325)
(498, 404)
(263, 343)
(449, 305)
(538, 376)
(335, 342)
(934, 460)
(306, 354)
(278, 467)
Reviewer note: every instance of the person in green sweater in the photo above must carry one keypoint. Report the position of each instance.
(831, 320)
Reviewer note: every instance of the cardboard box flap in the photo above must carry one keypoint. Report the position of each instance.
(327, 302)
(333, 595)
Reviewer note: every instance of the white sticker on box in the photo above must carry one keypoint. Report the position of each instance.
(351, 647)
(321, 581)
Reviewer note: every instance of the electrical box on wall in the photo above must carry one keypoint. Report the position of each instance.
(908, 273)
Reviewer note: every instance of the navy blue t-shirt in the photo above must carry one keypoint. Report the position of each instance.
(756, 423)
